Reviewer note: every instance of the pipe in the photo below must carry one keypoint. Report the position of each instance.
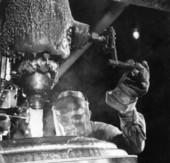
(155, 4)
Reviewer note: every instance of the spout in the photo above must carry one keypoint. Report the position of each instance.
(37, 88)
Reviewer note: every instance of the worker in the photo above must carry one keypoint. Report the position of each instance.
(72, 114)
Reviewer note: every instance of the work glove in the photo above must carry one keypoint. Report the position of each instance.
(133, 84)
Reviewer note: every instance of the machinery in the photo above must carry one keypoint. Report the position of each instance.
(62, 149)
(37, 36)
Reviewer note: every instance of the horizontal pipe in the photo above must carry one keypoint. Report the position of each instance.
(155, 4)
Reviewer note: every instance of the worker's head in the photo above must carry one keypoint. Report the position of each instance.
(71, 114)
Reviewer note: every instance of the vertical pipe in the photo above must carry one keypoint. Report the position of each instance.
(3, 67)
(8, 69)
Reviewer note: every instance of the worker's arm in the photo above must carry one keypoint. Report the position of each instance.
(133, 85)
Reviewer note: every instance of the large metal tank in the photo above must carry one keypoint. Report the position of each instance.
(34, 26)
(62, 149)
(35, 35)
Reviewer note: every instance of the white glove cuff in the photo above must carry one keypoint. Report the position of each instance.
(120, 101)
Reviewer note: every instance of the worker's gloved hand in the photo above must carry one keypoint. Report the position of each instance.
(135, 83)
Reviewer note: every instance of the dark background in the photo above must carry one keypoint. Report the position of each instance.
(92, 75)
